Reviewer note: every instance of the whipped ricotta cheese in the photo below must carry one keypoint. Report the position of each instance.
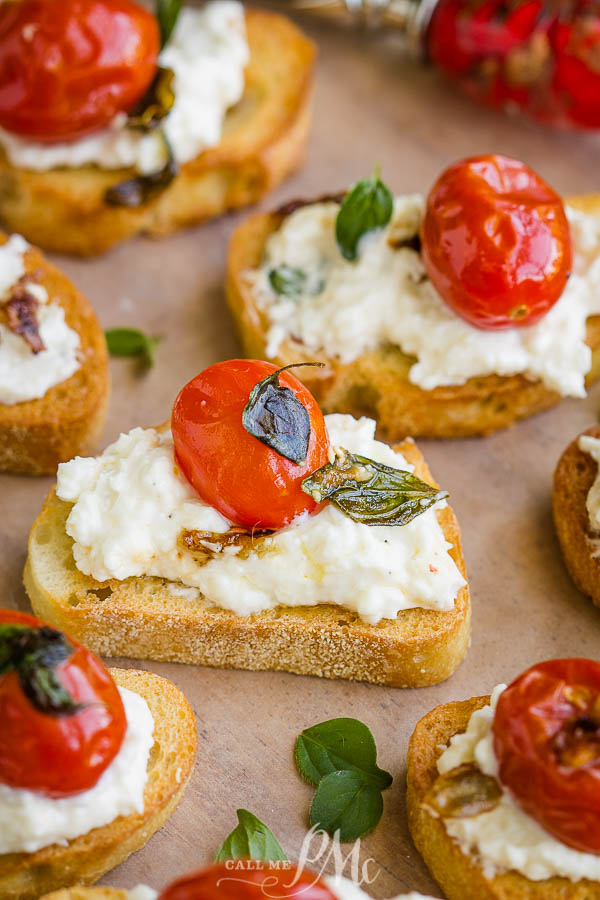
(25, 375)
(506, 837)
(131, 503)
(346, 308)
(591, 445)
(142, 892)
(344, 889)
(30, 821)
(208, 52)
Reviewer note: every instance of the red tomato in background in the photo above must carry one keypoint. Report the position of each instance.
(59, 755)
(67, 67)
(547, 741)
(256, 881)
(496, 242)
(248, 482)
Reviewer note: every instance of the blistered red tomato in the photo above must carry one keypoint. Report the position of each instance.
(547, 741)
(56, 752)
(496, 242)
(247, 481)
(248, 880)
(67, 67)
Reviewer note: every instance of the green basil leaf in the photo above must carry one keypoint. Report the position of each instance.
(371, 493)
(367, 206)
(340, 744)
(287, 281)
(167, 13)
(345, 804)
(277, 418)
(156, 103)
(251, 839)
(135, 192)
(131, 342)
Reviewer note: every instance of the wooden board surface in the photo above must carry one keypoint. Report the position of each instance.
(371, 106)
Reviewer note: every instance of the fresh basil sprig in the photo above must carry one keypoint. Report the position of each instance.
(287, 280)
(340, 758)
(275, 416)
(250, 839)
(131, 342)
(34, 653)
(167, 13)
(369, 492)
(368, 205)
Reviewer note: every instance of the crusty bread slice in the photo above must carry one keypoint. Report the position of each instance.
(143, 618)
(459, 875)
(25, 876)
(93, 893)
(575, 474)
(263, 140)
(37, 435)
(376, 384)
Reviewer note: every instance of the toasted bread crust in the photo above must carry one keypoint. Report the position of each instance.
(83, 893)
(142, 618)
(376, 383)
(459, 875)
(25, 876)
(263, 141)
(574, 475)
(37, 435)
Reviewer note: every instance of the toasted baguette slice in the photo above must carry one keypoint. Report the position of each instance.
(143, 618)
(25, 876)
(459, 875)
(35, 436)
(573, 478)
(376, 383)
(263, 140)
(93, 893)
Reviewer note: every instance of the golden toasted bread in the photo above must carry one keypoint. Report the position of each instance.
(263, 140)
(376, 383)
(459, 875)
(37, 435)
(25, 876)
(93, 893)
(143, 618)
(573, 478)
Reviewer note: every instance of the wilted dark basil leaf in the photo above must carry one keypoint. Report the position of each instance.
(131, 342)
(134, 192)
(463, 792)
(371, 493)
(167, 13)
(287, 281)
(367, 206)
(251, 839)
(156, 103)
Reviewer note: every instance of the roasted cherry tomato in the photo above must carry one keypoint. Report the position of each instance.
(547, 740)
(247, 481)
(62, 716)
(67, 67)
(496, 242)
(248, 880)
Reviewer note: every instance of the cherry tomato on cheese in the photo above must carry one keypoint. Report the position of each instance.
(62, 720)
(496, 242)
(248, 880)
(67, 67)
(547, 741)
(247, 481)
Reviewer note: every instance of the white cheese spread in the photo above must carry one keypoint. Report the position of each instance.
(142, 892)
(506, 837)
(208, 53)
(131, 504)
(591, 445)
(25, 375)
(344, 889)
(30, 821)
(349, 308)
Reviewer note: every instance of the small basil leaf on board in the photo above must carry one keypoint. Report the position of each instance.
(251, 839)
(340, 744)
(371, 493)
(131, 342)
(275, 416)
(167, 13)
(368, 205)
(287, 280)
(141, 189)
(345, 804)
(156, 103)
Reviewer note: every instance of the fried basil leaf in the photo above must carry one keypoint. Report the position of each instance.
(140, 189)
(156, 103)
